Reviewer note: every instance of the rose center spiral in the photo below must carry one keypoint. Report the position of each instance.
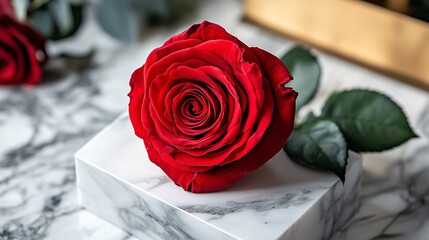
(193, 107)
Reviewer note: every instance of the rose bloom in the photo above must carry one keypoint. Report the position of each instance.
(22, 49)
(211, 109)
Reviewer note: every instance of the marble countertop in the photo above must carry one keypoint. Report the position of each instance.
(42, 127)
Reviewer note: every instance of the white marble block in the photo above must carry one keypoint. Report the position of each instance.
(281, 200)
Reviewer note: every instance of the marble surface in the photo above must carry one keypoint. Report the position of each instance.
(117, 181)
(42, 127)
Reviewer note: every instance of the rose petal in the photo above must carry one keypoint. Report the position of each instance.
(7, 66)
(135, 104)
(205, 31)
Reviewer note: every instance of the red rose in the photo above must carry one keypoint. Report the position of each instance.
(22, 49)
(210, 109)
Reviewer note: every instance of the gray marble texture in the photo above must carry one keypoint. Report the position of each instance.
(42, 127)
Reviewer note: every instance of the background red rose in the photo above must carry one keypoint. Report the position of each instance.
(22, 49)
(6, 7)
(210, 109)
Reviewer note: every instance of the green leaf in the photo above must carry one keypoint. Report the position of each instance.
(370, 121)
(319, 145)
(76, 15)
(306, 72)
(180, 8)
(310, 117)
(160, 8)
(118, 19)
(35, 4)
(43, 22)
(62, 14)
(48, 19)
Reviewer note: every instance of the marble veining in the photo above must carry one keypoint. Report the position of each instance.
(141, 214)
(276, 200)
(395, 203)
(42, 127)
(115, 176)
